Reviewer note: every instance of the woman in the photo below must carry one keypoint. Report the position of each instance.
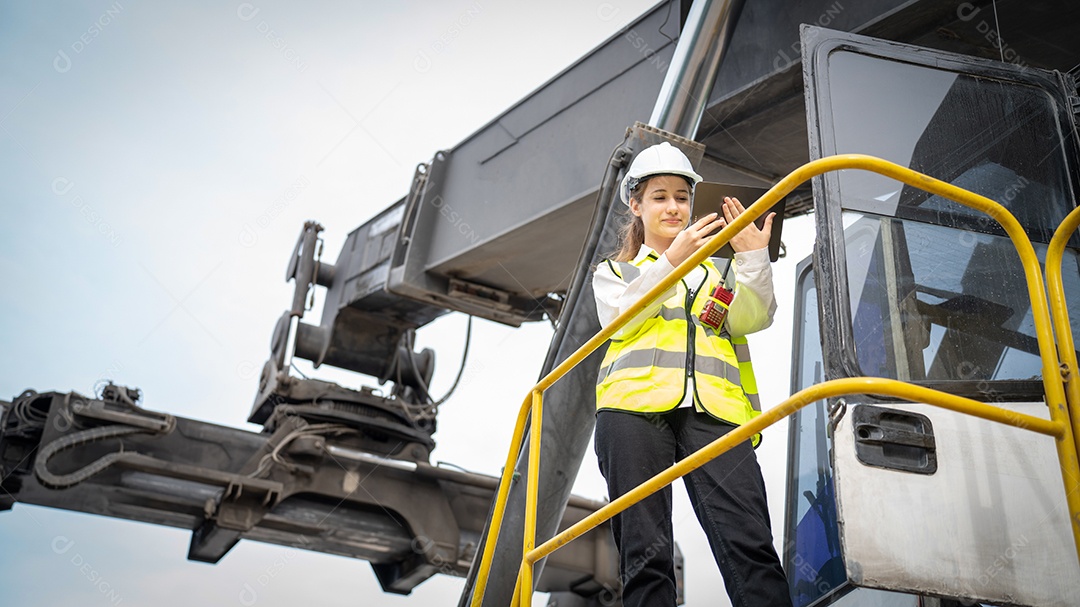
(672, 383)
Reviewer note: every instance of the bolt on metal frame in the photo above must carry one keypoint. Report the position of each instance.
(1058, 426)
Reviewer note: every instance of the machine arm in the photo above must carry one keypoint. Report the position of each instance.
(310, 481)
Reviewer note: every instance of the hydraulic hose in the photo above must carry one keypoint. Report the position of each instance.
(62, 481)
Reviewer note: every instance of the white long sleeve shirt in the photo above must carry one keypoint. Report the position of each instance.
(752, 309)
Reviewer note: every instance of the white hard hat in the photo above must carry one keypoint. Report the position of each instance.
(660, 159)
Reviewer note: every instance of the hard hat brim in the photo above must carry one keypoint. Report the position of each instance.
(625, 186)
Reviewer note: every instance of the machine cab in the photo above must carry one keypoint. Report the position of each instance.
(891, 503)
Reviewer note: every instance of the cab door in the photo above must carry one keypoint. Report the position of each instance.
(917, 288)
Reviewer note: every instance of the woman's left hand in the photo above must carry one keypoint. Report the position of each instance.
(751, 238)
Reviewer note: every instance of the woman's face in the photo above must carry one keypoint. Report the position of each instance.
(664, 207)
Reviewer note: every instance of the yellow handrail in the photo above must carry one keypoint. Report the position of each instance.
(828, 389)
(1060, 310)
(1052, 381)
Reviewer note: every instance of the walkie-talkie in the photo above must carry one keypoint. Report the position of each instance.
(716, 308)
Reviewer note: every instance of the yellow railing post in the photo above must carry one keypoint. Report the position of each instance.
(532, 491)
(1059, 426)
(1060, 310)
(500, 503)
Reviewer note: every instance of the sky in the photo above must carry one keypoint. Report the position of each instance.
(159, 164)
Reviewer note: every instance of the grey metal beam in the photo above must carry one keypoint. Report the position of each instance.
(479, 228)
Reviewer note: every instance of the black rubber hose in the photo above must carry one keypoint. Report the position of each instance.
(61, 481)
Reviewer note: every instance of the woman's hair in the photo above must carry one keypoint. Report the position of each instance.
(631, 237)
(632, 232)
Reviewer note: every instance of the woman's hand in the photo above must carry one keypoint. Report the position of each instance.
(688, 241)
(751, 238)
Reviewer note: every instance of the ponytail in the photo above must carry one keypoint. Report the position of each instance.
(631, 237)
(632, 232)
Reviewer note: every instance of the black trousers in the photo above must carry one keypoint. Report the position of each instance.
(728, 496)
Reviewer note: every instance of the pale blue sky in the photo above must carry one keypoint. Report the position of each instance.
(149, 154)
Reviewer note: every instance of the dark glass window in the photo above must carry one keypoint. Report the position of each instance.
(930, 302)
(998, 139)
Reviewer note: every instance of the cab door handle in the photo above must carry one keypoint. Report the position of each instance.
(894, 439)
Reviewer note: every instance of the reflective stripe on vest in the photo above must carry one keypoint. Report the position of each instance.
(746, 371)
(646, 372)
(673, 360)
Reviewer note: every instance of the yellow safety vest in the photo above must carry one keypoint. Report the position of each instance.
(648, 372)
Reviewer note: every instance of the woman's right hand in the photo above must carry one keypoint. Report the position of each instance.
(688, 241)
